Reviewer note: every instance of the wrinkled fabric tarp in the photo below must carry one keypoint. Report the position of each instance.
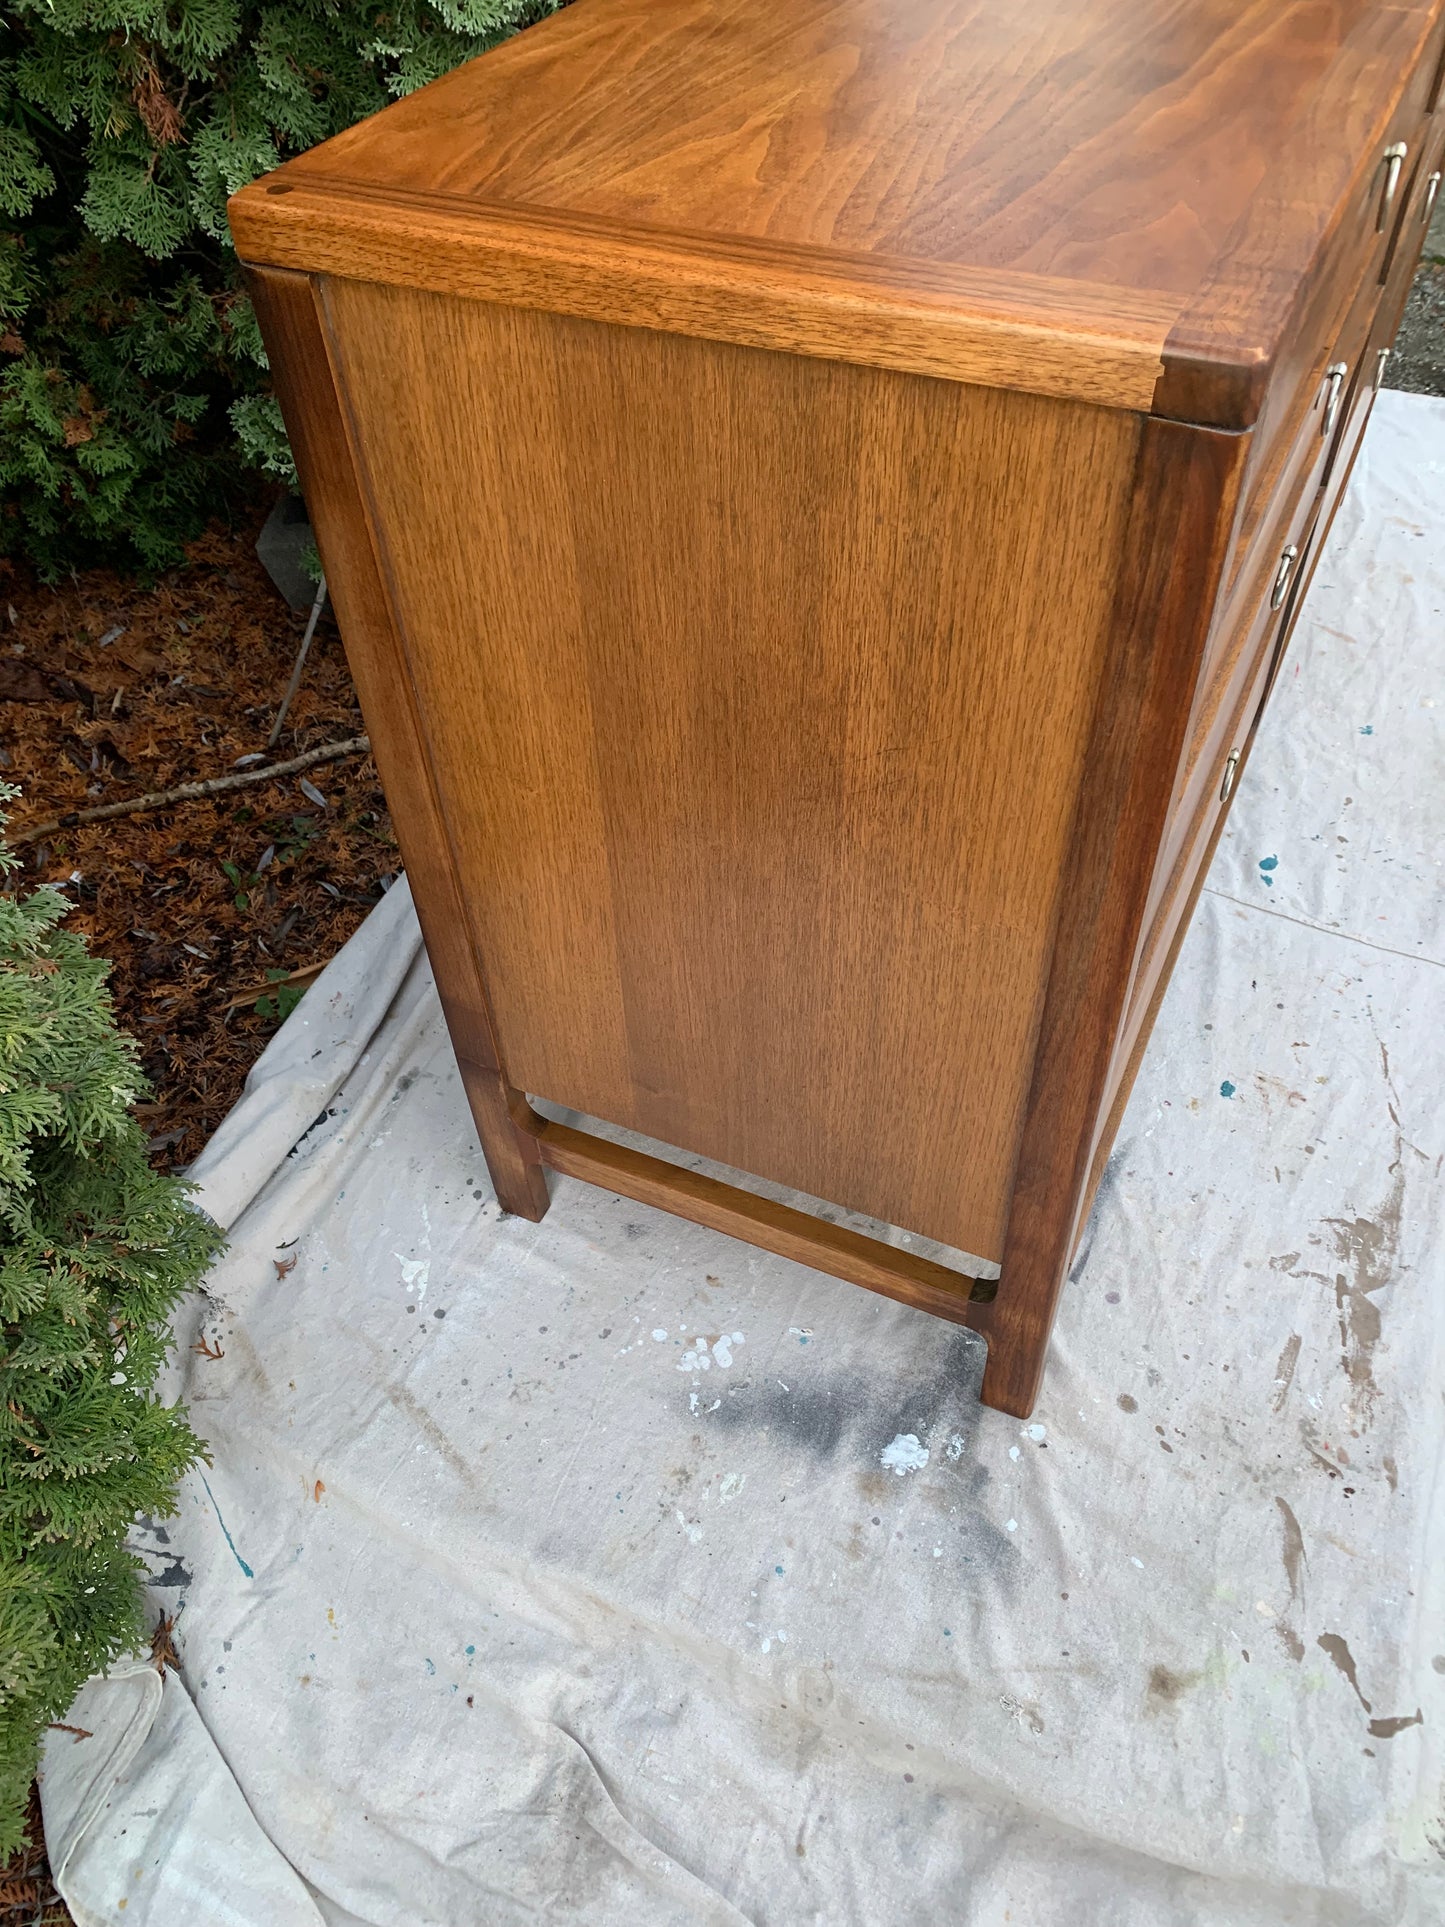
(606, 1570)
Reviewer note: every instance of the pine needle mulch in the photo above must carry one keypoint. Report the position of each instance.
(110, 690)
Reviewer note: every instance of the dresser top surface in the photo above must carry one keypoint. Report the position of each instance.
(1129, 150)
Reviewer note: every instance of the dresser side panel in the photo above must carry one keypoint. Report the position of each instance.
(757, 691)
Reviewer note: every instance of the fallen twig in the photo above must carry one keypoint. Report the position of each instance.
(80, 1732)
(295, 683)
(188, 792)
(308, 973)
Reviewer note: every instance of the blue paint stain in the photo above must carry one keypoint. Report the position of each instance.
(428, 1665)
(1368, 729)
(778, 1570)
(946, 1633)
(1226, 1089)
(1266, 864)
(222, 1524)
(470, 1651)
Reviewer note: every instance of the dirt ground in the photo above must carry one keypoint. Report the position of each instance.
(109, 690)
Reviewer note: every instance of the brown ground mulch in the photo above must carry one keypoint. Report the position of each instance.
(109, 690)
(27, 1897)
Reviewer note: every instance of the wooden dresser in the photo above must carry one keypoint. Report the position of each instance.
(816, 493)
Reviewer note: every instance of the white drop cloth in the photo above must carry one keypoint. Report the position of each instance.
(605, 1570)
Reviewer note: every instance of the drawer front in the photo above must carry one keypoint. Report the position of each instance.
(1373, 362)
(1233, 688)
(1296, 464)
(1369, 232)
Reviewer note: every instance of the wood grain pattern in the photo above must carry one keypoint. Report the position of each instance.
(1049, 337)
(799, 661)
(1185, 490)
(1308, 235)
(757, 689)
(286, 307)
(813, 178)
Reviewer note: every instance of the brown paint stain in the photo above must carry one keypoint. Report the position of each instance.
(1293, 1555)
(1284, 1370)
(1127, 1403)
(1387, 1729)
(1392, 1474)
(1368, 1248)
(1294, 1547)
(1167, 1688)
(1338, 1650)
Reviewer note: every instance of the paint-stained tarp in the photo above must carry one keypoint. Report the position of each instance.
(608, 1571)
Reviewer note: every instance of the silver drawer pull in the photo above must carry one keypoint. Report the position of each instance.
(1231, 764)
(1394, 159)
(1382, 356)
(1334, 387)
(1432, 188)
(1288, 557)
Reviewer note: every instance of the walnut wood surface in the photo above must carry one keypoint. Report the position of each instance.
(833, 1248)
(1049, 337)
(799, 661)
(836, 175)
(757, 691)
(286, 307)
(1185, 489)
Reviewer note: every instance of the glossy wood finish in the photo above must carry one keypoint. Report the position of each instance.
(803, 490)
(1051, 196)
(321, 440)
(753, 760)
(1181, 511)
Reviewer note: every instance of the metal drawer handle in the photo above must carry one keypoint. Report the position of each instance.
(1382, 355)
(1394, 159)
(1334, 387)
(1282, 574)
(1432, 188)
(1231, 764)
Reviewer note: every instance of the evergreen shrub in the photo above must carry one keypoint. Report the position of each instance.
(133, 392)
(96, 1248)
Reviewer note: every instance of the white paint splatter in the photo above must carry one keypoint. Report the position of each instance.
(1010, 1525)
(722, 1351)
(903, 1454)
(1013, 1451)
(415, 1274)
(1038, 1433)
(698, 1357)
(692, 1401)
(1136, 1562)
(731, 1483)
(954, 1448)
(692, 1527)
(938, 1552)
(659, 1334)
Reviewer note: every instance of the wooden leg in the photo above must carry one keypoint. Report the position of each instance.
(289, 307)
(1185, 488)
(514, 1159)
(1014, 1367)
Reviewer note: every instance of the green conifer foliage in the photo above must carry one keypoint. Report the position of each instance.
(96, 1249)
(133, 392)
